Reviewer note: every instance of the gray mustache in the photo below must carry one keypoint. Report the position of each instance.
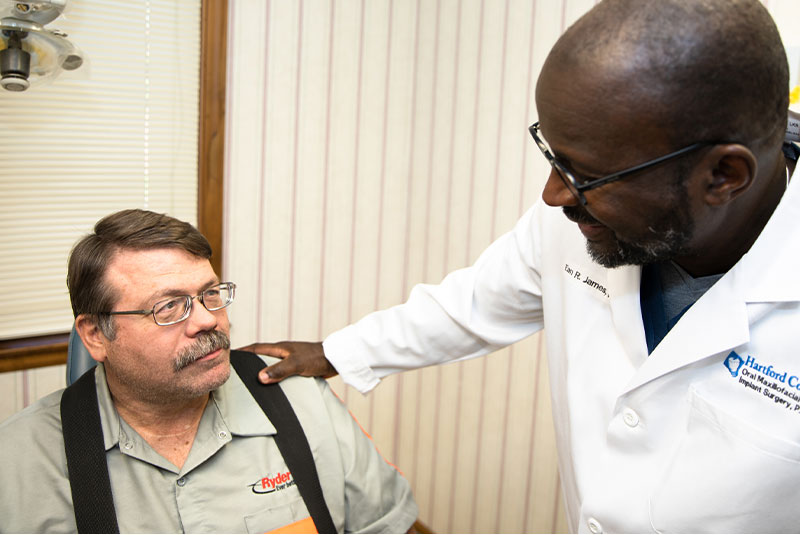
(206, 343)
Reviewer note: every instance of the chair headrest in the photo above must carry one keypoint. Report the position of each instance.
(79, 361)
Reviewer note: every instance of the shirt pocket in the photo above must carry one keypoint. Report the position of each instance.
(727, 475)
(273, 518)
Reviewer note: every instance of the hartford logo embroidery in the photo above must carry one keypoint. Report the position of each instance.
(267, 484)
(776, 385)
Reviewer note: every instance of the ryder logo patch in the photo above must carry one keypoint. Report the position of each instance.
(268, 484)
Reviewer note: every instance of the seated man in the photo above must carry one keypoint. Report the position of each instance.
(187, 446)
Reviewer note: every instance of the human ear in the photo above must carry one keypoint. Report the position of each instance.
(91, 336)
(731, 171)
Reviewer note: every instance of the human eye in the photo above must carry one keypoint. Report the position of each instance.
(168, 305)
(583, 179)
(169, 309)
(576, 172)
(212, 298)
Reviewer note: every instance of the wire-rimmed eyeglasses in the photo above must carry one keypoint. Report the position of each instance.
(578, 186)
(176, 309)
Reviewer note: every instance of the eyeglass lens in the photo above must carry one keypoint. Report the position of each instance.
(175, 309)
(565, 176)
(566, 179)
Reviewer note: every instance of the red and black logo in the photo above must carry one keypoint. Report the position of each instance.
(267, 484)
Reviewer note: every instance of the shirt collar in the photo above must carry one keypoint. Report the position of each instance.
(239, 410)
(767, 272)
(236, 406)
(791, 150)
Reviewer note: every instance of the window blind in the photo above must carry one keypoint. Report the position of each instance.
(120, 132)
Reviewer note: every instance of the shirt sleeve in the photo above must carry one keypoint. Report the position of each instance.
(35, 495)
(473, 311)
(378, 498)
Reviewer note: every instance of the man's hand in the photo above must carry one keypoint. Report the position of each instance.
(299, 358)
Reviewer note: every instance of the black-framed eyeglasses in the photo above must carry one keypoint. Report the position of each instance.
(176, 309)
(578, 186)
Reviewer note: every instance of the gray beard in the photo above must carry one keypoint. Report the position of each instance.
(669, 236)
(670, 244)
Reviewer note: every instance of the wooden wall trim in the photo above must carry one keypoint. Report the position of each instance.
(211, 150)
(35, 352)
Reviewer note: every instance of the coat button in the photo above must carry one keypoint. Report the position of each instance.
(630, 417)
(181, 482)
(594, 526)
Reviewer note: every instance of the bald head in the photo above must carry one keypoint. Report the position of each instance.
(703, 69)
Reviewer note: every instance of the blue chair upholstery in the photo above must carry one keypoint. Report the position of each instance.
(78, 358)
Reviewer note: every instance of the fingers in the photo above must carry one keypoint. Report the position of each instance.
(276, 349)
(299, 358)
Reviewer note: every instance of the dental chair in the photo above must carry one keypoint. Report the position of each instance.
(78, 359)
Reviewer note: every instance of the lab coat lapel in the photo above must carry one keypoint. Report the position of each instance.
(626, 312)
(719, 321)
(716, 322)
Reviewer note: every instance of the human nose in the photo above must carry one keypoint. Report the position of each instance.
(200, 318)
(555, 192)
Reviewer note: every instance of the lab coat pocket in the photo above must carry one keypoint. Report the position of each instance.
(274, 518)
(727, 475)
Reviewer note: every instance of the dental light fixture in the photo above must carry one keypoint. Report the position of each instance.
(29, 52)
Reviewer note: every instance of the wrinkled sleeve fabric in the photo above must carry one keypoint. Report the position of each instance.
(473, 311)
(377, 498)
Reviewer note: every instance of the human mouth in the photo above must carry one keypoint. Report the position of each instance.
(589, 226)
(207, 347)
(210, 356)
(592, 231)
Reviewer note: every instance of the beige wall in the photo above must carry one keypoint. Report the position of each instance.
(373, 145)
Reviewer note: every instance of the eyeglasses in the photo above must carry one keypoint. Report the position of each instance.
(176, 309)
(578, 186)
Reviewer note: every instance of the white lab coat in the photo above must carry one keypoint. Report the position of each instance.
(674, 441)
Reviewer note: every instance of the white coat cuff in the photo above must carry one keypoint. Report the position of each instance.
(341, 351)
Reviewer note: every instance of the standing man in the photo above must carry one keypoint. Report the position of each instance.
(186, 445)
(663, 262)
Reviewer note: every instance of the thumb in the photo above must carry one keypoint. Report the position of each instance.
(277, 372)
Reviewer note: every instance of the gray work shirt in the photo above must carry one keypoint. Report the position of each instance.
(234, 479)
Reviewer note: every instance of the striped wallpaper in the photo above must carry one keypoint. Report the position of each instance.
(372, 145)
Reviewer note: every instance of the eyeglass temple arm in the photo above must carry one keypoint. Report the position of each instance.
(605, 180)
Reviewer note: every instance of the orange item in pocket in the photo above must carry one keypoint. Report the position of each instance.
(301, 526)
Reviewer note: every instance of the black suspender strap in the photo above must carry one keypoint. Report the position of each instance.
(290, 439)
(92, 499)
(86, 458)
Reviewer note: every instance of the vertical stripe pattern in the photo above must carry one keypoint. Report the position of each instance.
(375, 145)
